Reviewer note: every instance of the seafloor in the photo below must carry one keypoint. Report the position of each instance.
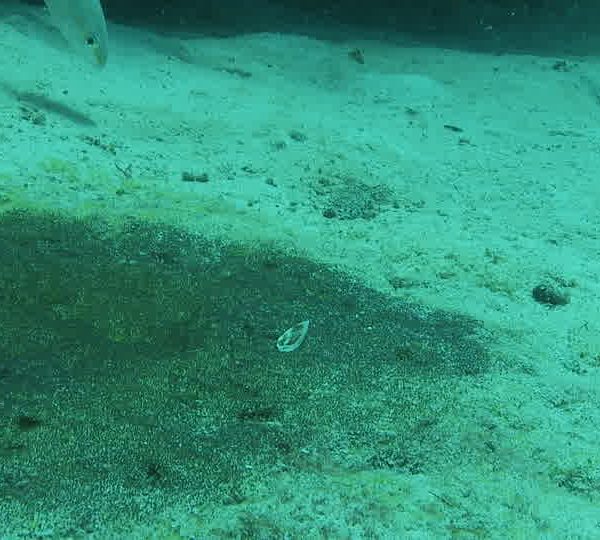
(432, 212)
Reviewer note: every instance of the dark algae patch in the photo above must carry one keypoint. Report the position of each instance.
(139, 367)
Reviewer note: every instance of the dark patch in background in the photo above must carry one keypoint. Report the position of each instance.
(142, 360)
(547, 26)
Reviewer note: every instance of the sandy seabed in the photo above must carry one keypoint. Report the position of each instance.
(456, 180)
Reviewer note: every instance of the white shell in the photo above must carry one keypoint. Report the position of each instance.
(293, 337)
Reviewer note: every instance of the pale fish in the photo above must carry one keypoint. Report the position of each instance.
(83, 24)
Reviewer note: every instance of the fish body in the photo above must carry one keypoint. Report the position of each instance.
(83, 25)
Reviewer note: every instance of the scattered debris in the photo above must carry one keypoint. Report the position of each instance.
(297, 136)
(125, 170)
(238, 72)
(357, 55)
(561, 65)
(108, 147)
(279, 145)
(455, 129)
(30, 114)
(347, 198)
(201, 178)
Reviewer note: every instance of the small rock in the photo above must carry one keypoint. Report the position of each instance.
(297, 136)
(550, 295)
(191, 177)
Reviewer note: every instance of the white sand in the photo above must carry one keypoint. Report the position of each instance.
(478, 225)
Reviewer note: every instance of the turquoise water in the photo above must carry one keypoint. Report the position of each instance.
(427, 201)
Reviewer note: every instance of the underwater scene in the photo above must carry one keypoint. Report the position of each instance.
(299, 270)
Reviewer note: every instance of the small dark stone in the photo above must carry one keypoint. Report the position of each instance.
(357, 55)
(329, 213)
(398, 282)
(451, 127)
(549, 295)
(191, 177)
(561, 65)
(297, 136)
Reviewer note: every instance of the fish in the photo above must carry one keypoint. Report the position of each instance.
(83, 25)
